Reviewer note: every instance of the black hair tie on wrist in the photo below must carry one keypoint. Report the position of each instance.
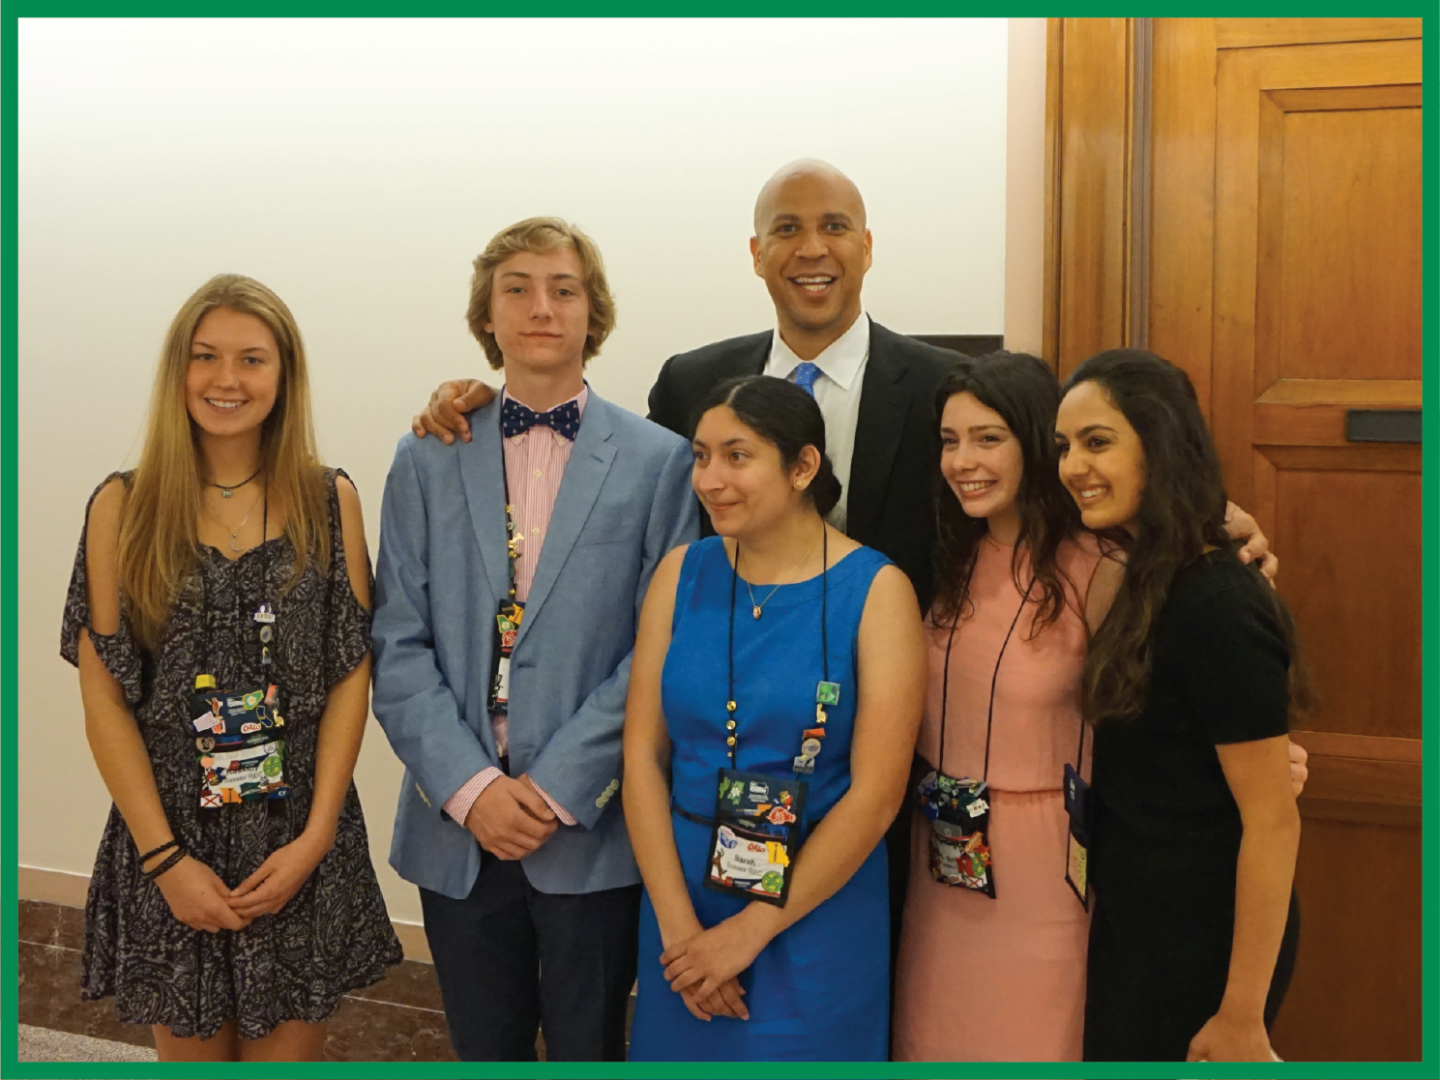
(163, 847)
(175, 857)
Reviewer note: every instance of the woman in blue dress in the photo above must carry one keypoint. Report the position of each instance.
(765, 617)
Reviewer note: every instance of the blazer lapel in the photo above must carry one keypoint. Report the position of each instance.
(589, 463)
(883, 405)
(752, 362)
(482, 474)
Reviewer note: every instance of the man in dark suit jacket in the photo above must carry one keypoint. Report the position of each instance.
(888, 495)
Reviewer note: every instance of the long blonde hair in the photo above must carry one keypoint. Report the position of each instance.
(159, 547)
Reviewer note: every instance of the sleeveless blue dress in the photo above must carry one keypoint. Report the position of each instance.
(820, 990)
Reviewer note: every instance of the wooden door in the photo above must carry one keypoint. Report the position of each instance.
(1285, 275)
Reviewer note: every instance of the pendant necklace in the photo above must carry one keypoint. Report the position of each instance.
(228, 490)
(757, 609)
(235, 532)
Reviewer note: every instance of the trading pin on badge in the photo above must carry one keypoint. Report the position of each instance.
(827, 693)
(820, 716)
(804, 764)
(264, 614)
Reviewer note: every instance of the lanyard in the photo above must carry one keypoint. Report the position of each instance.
(732, 737)
(994, 678)
(512, 556)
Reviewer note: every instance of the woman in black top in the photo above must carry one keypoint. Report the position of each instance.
(1190, 682)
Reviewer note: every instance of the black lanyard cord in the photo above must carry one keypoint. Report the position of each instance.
(994, 678)
(732, 735)
(512, 556)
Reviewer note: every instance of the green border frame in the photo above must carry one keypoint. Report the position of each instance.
(1429, 1066)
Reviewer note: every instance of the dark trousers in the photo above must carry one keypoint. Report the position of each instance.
(512, 960)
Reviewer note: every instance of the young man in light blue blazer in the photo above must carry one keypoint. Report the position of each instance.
(509, 582)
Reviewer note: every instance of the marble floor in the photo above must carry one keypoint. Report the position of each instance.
(399, 1018)
(42, 1044)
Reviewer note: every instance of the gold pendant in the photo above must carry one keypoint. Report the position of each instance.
(756, 610)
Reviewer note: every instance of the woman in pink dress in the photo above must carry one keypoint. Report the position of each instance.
(1002, 978)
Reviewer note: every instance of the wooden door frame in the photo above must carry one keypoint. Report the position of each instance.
(1097, 188)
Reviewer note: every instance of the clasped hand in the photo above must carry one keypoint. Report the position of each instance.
(704, 968)
(510, 818)
(279, 877)
(199, 899)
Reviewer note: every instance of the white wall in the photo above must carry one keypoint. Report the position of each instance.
(1025, 187)
(358, 166)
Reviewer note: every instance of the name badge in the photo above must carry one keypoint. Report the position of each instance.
(959, 814)
(756, 835)
(239, 745)
(1077, 839)
(507, 631)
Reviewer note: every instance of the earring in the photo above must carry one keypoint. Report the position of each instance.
(800, 484)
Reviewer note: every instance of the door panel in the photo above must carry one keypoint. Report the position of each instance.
(1349, 951)
(1319, 159)
(1365, 671)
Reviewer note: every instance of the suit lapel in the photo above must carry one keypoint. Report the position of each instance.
(753, 362)
(483, 476)
(883, 405)
(585, 473)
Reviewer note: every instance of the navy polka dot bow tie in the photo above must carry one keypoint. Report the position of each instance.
(516, 419)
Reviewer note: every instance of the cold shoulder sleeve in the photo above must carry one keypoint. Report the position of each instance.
(347, 621)
(119, 651)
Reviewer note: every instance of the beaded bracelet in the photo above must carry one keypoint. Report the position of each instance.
(163, 847)
(175, 857)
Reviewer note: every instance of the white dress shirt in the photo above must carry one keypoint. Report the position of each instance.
(837, 392)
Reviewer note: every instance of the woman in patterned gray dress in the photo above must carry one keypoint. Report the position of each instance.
(232, 927)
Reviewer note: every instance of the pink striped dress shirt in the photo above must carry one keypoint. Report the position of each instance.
(534, 467)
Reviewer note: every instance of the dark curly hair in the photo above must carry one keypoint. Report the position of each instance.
(1182, 512)
(1026, 394)
(782, 414)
